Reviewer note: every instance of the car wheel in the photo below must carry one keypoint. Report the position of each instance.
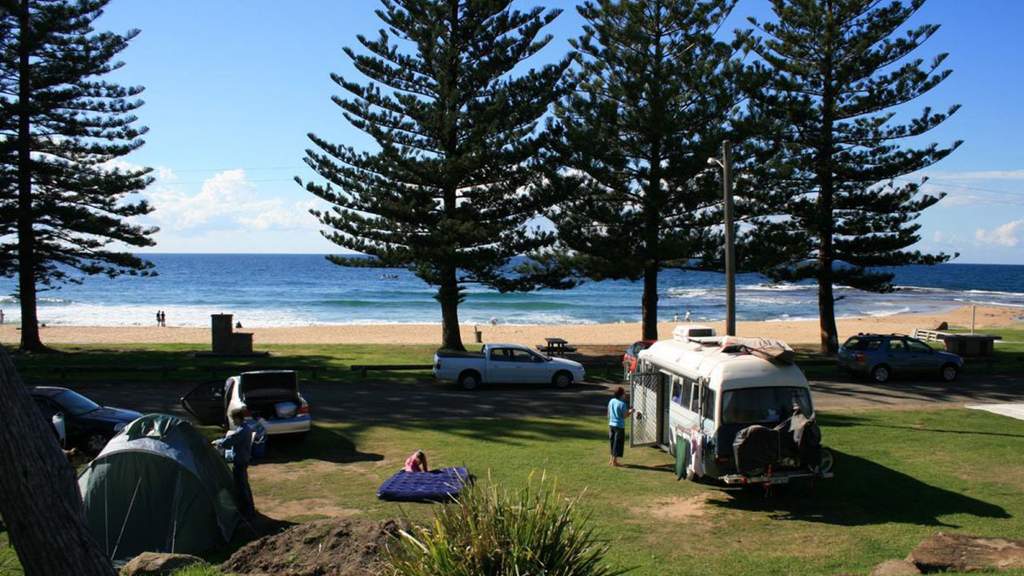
(562, 380)
(949, 372)
(469, 380)
(880, 374)
(96, 443)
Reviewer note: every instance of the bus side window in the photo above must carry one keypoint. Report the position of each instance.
(695, 391)
(708, 411)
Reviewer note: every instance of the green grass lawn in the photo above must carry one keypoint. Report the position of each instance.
(144, 362)
(900, 476)
(332, 362)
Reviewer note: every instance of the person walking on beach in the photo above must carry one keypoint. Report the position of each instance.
(158, 318)
(1, 315)
(618, 411)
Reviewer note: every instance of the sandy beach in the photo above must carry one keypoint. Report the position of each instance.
(794, 332)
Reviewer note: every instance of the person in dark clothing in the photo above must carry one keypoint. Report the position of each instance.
(240, 439)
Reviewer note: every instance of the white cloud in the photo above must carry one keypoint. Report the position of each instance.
(227, 199)
(282, 217)
(976, 188)
(979, 175)
(1005, 235)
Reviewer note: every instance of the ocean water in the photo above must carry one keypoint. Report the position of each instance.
(297, 290)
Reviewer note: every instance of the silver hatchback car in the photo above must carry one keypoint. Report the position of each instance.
(882, 356)
(270, 396)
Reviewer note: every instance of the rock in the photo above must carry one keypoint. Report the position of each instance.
(963, 553)
(157, 564)
(942, 326)
(895, 568)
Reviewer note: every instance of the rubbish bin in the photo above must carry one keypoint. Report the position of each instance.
(478, 335)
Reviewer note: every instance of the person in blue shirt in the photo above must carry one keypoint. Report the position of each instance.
(618, 411)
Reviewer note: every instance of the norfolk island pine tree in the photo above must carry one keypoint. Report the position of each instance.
(62, 202)
(826, 204)
(655, 94)
(446, 193)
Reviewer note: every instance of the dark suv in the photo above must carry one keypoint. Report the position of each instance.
(882, 356)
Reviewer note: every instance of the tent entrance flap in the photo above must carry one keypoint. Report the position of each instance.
(646, 419)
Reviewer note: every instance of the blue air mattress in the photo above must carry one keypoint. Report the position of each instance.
(435, 486)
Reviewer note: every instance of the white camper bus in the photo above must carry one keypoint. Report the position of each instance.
(732, 409)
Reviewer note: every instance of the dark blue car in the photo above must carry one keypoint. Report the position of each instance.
(87, 425)
(883, 356)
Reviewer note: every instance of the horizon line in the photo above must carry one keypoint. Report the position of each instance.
(325, 254)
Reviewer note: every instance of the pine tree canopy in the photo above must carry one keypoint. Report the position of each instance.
(456, 131)
(834, 200)
(654, 97)
(79, 126)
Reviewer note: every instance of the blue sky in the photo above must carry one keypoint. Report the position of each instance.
(233, 86)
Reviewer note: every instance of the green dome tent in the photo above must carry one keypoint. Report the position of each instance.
(158, 486)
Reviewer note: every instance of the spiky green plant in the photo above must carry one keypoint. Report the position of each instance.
(493, 531)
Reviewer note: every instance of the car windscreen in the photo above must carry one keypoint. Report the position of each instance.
(763, 405)
(75, 404)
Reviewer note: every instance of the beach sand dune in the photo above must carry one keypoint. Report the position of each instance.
(794, 331)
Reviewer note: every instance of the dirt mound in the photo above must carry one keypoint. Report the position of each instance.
(964, 553)
(333, 547)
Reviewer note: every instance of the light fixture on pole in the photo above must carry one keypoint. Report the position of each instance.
(725, 163)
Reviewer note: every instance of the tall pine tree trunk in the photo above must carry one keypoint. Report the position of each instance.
(30, 341)
(448, 296)
(650, 302)
(827, 316)
(826, 297)
(41, 505)
(826, 225)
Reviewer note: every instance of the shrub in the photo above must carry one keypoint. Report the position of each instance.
(491, 531)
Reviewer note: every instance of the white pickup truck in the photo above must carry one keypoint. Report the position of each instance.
(505, 363)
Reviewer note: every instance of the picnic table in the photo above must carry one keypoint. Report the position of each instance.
(556, 347)
(966, 345)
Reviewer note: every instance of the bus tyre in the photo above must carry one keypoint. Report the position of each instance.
(469, 380)
(562, 379)
(880, 374)
(949, 372)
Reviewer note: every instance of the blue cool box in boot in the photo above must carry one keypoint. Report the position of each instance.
(440, 485)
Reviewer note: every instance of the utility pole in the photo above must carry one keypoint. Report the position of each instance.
(730, 242)
(725, 163)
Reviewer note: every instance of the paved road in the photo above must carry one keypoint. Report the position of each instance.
(843, 394)
(374, 401)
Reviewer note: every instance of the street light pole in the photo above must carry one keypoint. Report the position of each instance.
(725, 163)
(730, 242)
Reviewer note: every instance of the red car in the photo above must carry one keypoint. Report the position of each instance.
(629, 359)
